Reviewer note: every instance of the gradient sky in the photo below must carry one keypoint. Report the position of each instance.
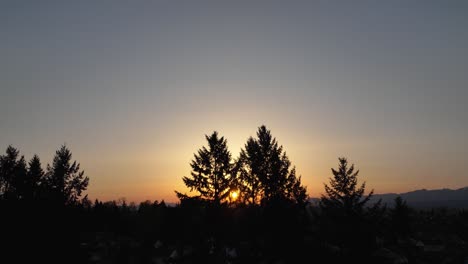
(132, 87)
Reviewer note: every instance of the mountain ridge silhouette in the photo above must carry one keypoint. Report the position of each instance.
(423, 198)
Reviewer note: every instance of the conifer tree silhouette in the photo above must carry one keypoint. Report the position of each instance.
(19, 184)
(12, 174)
(400, 218)
(345, 220)
(343, 192)
(65, 180)
(211, 174)
(36, 178)
(265, 172)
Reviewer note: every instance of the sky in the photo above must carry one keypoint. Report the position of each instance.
(132, 87)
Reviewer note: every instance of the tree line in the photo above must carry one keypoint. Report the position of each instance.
(62, 183)
(261, 175)
(270, 221)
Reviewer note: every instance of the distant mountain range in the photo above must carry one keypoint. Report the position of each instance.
(424, 198)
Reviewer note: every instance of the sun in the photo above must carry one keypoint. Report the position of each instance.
(234, 195)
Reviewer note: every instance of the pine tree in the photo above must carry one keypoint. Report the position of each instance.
(343, 192)
(19, 183)
(247, 170)
(12, 174)
(265, 172)
(400, 218)
(345, 220)
(35, 178)
(211, 174)
(295, 191)
(65, 179)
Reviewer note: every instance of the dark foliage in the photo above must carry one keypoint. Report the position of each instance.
(211, 173)
(36, 183)
(44, 215)
(12, 175)
(401, 218)
(265, 174)
(343, 194)
(64, 178)
(346, 222)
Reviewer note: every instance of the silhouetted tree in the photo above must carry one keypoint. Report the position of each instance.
(19, 184)
(400, 217)
(295, 190)
(264, 172)
(345, 220)
(12, 174)
(35, 179)
(65, 179)
(247, 180)
(343, 192)
(211, 174)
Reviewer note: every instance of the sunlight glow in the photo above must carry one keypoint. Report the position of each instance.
(234, 194)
